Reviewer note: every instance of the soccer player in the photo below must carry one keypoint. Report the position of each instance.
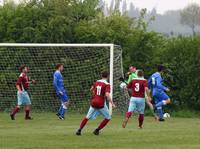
(58, 84)
(23, 98)
(139, 87)
(132, 75)
(158, 91)
(101, 91)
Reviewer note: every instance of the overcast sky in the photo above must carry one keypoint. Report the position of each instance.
(160, 5)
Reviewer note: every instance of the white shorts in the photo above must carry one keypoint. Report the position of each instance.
(23, 98)
(93, 113)
(137, 105)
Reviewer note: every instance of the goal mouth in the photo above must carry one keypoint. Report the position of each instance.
(83, 63)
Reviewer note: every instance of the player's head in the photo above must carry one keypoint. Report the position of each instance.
(105, 75)
(60, 67)
(160, 68)
(132, 69)
(23, 68)
(140, 73)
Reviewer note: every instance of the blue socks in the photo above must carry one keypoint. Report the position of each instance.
(160, 112)
(63, 112)
(60, 110)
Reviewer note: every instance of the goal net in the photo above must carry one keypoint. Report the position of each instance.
(83, 64)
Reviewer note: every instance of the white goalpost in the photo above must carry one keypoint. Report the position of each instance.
(83, 63)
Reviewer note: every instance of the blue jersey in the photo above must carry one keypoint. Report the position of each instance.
(155, 83)
(58, 82)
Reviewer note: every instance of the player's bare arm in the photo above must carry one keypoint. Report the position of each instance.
(19, 89)
(32, 82)
(91, 89)
(109, 98)
(148, 93)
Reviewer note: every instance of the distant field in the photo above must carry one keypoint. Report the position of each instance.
(46, 132)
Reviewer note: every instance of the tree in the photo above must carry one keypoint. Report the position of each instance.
(182, 60)
(124, 7)
(190, 16)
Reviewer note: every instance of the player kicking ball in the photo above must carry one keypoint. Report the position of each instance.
(100, 91)
(58, 84)
(139, 87)
(23, 98)
(159, 91)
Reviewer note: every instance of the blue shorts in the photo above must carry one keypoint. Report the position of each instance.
(63, 97)
(136, 105)
(160, 97)
(93, 113)
(23, 98)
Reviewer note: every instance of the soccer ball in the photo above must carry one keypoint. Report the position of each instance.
(166, 115)
(122, 85)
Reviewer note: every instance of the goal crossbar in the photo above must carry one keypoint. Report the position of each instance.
(56, 45)
(109, 45)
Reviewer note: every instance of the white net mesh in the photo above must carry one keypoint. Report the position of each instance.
(82, 66)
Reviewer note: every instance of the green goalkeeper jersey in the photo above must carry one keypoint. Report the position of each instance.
(132, 76)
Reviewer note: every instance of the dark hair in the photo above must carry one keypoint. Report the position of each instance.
(160, 68)
(21, 68)
(58, 66)
(140, 73)
(104, 74)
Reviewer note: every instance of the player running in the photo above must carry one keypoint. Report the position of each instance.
(132, 75)
(58, 84)
(101, 91)
(158, 91)
(138, 87)
(23, 98)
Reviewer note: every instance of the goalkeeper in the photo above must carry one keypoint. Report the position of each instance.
(132, 74)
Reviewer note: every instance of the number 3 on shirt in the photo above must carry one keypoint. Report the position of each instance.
(137, 87)
(99, 90)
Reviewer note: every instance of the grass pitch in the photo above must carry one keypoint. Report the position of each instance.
(47, 132)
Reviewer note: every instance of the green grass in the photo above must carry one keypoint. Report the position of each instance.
(46, 132)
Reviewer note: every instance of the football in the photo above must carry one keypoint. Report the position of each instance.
(166, 115)
(122, 85)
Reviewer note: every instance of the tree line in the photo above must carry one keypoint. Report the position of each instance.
(74, 21)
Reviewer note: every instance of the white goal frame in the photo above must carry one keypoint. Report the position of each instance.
(109, 45)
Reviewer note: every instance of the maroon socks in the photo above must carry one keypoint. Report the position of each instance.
(15, 111)
(129, 114)
(83, 123)
(103, 124)
(141, 119)
(27, 113)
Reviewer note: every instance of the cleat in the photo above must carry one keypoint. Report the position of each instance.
(78, 133)
(28, 118)
(140, 127)
(58, 115)
(96, 132)
(161, 119)
(12, 117)
(61, 118)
